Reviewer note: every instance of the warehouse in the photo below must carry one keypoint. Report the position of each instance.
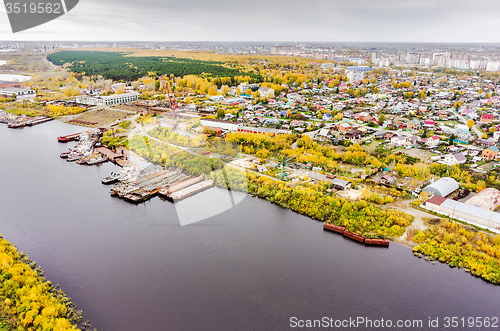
(221, 124)
(341, 184)
(107, 100)
(443, 187)
(464, 212)
(489, 198)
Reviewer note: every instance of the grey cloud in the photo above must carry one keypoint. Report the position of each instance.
(267, 20)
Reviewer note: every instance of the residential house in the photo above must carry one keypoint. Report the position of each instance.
(413, 125)
(486, 118)
(266, 92)
(432, 141)
(490, 152)
(486, 142)
(398, 141)
(380, 134)
(429, 123)
(353, 134)
(344, 127)
(452, 159)
(348, 114)
(387, 180)
(363, 116)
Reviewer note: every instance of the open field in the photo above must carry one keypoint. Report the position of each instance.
(424, 156)
(24, 63)
(96, 118)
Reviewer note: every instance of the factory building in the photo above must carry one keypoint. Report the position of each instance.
(464, 212)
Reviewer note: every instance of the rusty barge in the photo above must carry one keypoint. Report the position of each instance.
(355, 236)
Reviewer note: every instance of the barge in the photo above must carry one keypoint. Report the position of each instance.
(68, 138)
(191, 190)
(333, 227)
(354, 236)
(377, 242)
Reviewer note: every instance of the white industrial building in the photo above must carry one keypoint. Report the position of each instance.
(221, 124)
(19, 93)
(464, 212)
(355, 76)
(443, 187)
(107, 100)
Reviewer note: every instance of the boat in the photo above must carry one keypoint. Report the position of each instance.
(15, 125)
(82, 160)
(74, 156)
(97, 160)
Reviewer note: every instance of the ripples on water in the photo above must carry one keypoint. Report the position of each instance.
(250, 268)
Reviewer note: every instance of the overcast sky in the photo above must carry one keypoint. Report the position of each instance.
(271, 20)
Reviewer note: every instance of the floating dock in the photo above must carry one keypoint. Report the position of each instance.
(191, 190)
(39, 120)
(181, 185)
(112, 156)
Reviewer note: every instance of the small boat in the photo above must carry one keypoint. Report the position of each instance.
(98, 160)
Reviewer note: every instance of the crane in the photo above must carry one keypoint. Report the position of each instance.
(172, 101)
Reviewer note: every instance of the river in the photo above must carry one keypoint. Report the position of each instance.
(253, 267)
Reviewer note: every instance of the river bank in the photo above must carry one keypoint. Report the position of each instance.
(30, 301)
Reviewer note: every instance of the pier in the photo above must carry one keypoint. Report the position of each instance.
(112, 156)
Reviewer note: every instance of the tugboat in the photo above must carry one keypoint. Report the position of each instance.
(74, 157)
(65, 155)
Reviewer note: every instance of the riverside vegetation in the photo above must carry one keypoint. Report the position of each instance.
(28, 301)
(461, 246)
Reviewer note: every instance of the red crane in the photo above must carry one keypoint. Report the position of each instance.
(172, 101)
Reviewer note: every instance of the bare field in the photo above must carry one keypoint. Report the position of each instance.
(421, 154)
(96, 118)
(23, 63)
